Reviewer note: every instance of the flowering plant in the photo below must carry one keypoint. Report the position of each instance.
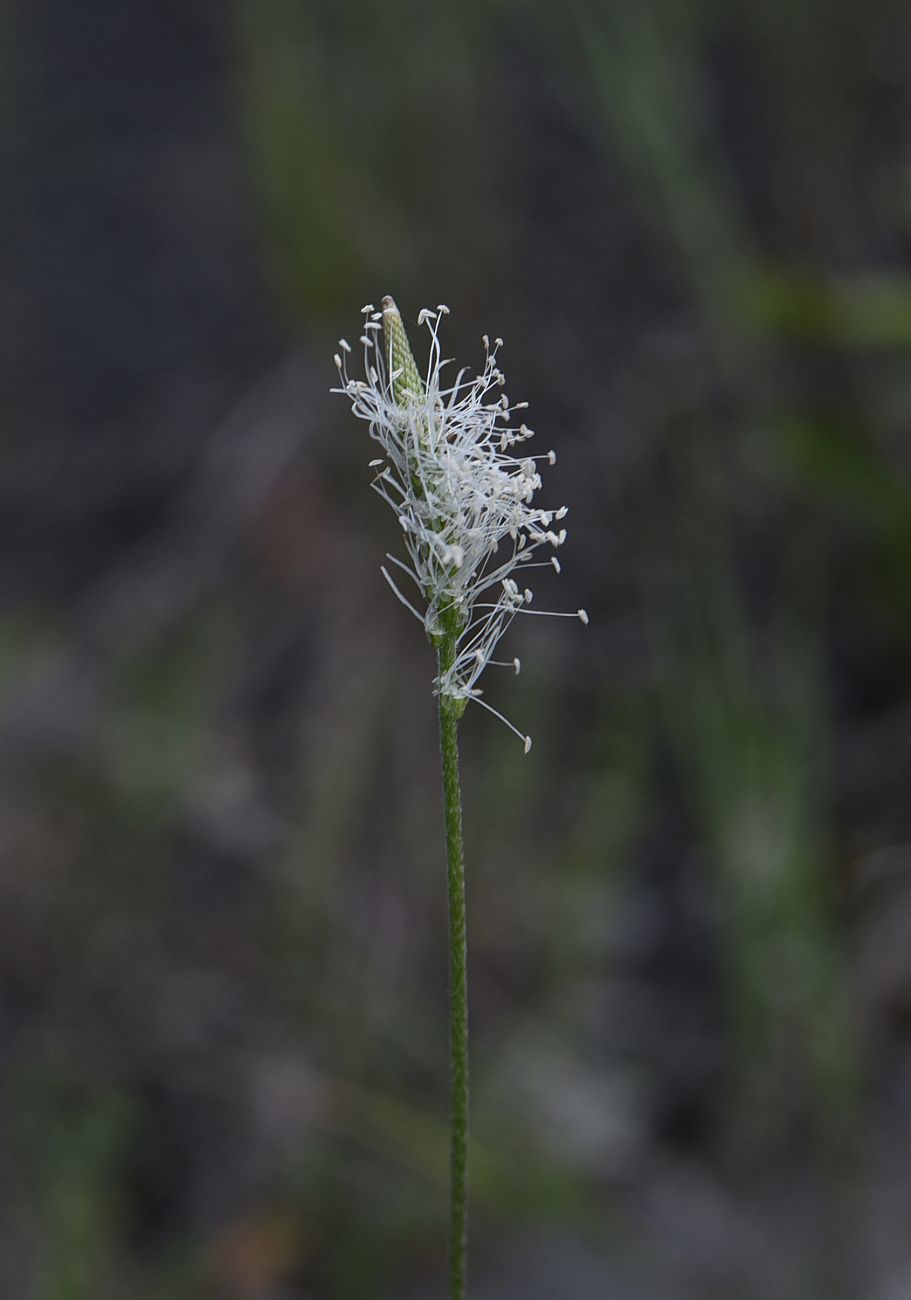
(463, 497)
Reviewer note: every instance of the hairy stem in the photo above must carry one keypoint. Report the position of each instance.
(458, 981)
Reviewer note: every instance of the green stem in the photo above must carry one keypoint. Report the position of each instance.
(458, 983)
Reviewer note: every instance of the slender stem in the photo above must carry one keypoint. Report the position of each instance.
(458, 984)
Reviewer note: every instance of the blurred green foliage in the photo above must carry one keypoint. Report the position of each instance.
(333, 103)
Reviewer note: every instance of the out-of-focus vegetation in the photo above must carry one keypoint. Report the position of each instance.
(222, 931)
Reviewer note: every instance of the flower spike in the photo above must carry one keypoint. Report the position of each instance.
(454, 472)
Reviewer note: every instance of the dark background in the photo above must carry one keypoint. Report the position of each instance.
(222, 906)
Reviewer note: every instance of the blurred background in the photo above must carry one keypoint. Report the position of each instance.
(222, 890)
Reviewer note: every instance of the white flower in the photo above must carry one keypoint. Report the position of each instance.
(453, 471)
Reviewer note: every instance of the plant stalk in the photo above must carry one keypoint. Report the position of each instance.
(458, 982)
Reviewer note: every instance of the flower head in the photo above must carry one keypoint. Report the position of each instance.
(454, 472)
